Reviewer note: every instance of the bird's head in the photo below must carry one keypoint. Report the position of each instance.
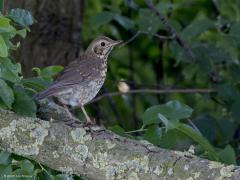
(102, 46)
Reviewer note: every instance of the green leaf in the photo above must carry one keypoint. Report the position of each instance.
(6, 93)
(196, 136)
(36, 83)
(5, 158)
(153, 134)
(51, 71)
(5, 170)
(102, 18)
(5, 26)
(23, 174)
(22, 32)
(27, 166)
(166, 7)
(9, 71)
(124, 21)
(3, 48)
(118, 130)
(227, 155)
(227, 92)
(21, 16)
(169, 124)
(173, 111)
(37, 70)
(2, 104)
(148, 21)
(24, 104)
(196, 28)
(174, 139)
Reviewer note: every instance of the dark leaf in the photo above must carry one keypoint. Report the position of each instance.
(5, 158)
(6, 93)
(196, 28)
(173, 111)
(3, 48)
(227, 155)
(9, 71)
(27, 166)
(24, 104)
(5, 170)
(153, 134)
(21, 16)
(102, 18)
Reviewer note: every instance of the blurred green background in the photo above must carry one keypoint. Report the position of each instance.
(62, 30)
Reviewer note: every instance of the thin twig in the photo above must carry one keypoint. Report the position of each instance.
(43, 169)
(171, 29)
(194, 126)
(154, 91)
(147, 33)
(134, 131)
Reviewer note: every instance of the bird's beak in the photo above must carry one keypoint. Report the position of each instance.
(117, 42)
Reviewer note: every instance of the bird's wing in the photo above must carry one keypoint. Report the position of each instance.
(77, 72)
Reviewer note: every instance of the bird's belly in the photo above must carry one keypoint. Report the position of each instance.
(79, 95)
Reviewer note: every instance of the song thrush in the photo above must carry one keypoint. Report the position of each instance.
(81, 80)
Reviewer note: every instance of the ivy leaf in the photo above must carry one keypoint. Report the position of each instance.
(153, 134)
(169, 124)
(22, 33)
(36, 83)
(5, 26)
(3, 48)
(24, 104)
(21, 16)
(227, 155)
(5, 158)
(6, 93)
(9, 71)
(173, 111)
(27, 166)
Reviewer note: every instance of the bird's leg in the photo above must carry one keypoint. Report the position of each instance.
(72, 119)
(68, 112)
(86, 116)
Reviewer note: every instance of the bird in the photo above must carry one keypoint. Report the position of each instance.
(81, 80)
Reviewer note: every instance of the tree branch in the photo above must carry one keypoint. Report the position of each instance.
(153, 91)
(146, 33)
(172, 30)
(96, 153)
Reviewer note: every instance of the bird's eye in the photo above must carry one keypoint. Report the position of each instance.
(102, 43)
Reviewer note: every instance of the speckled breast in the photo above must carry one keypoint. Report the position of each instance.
(79, 95)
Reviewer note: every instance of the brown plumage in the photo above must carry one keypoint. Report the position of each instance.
(81, 80)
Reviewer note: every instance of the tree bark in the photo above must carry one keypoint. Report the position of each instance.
(56, 37)
(97, 153)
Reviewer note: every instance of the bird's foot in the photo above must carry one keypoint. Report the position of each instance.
(91, 122)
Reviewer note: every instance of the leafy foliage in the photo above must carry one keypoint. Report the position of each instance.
(209, 122)
(211, 28)
(16, 91)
